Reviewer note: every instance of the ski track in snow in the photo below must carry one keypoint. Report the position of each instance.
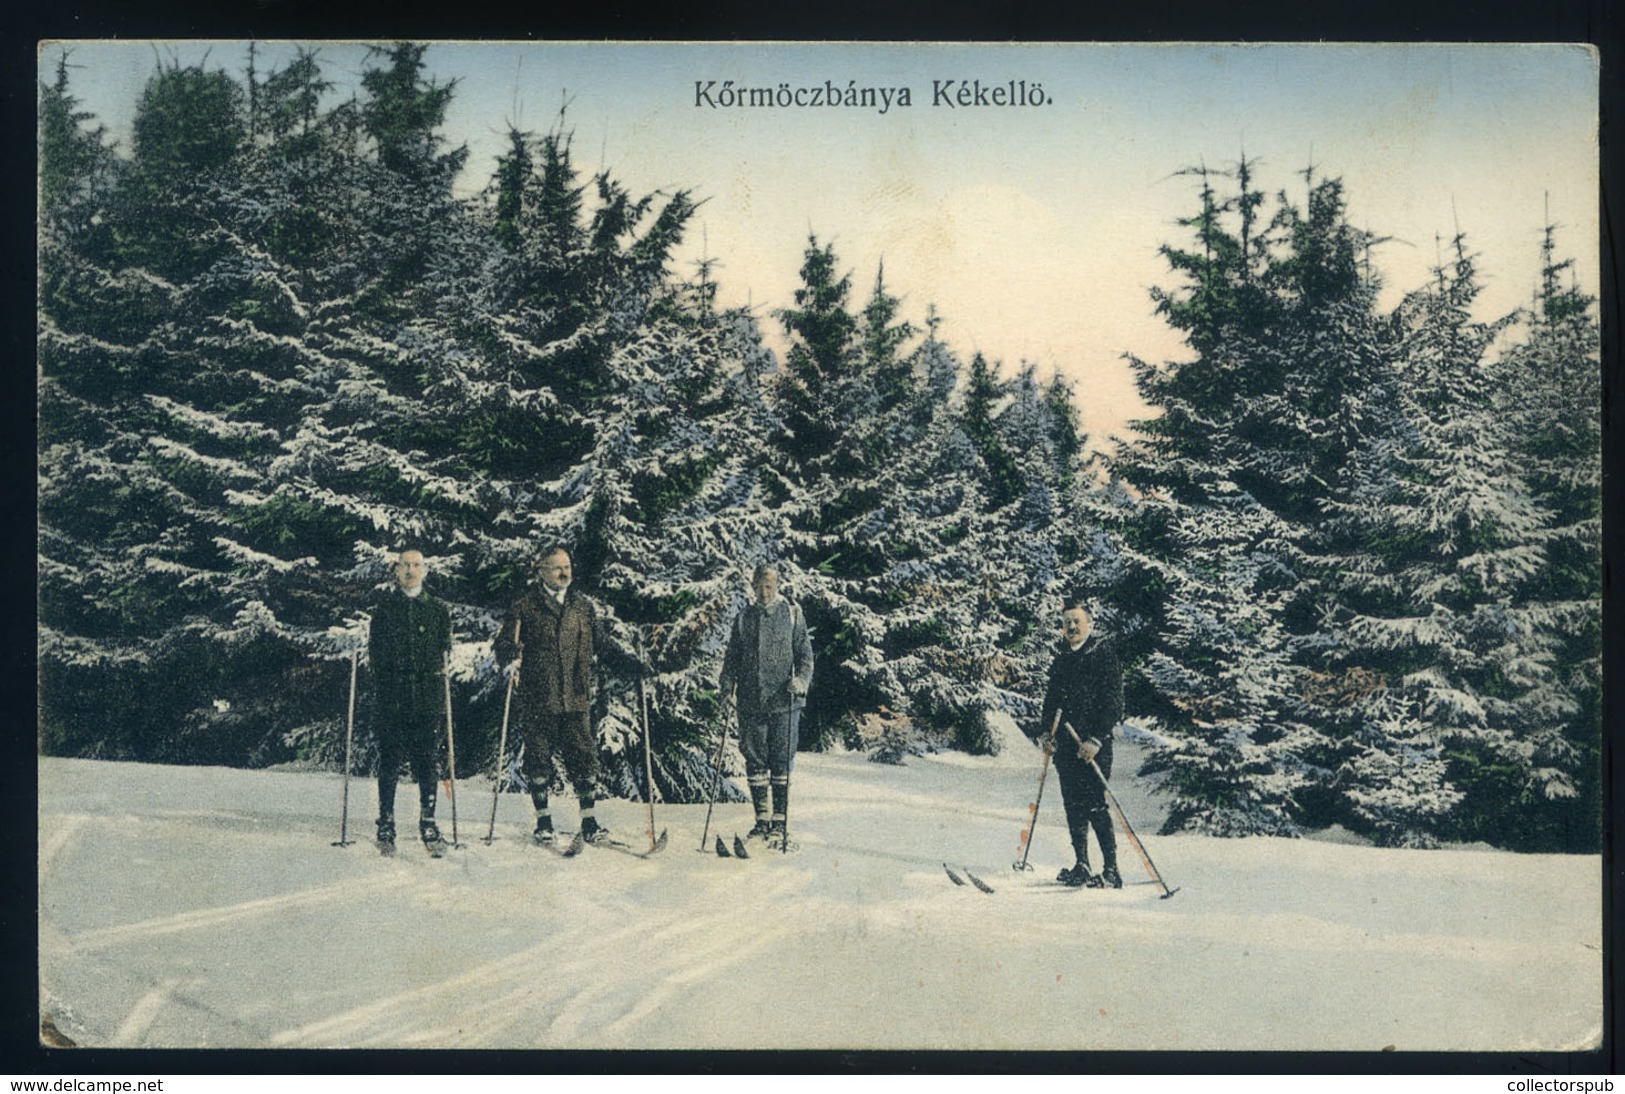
(214, 917)
(140, 1019)
(233, 923)
(52, 847)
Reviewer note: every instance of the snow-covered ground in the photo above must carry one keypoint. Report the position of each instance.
(205, 907)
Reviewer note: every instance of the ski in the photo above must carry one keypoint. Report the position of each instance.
(978, 882)
(739, 847)
(974, 880)
(722, 850)
(627, 848)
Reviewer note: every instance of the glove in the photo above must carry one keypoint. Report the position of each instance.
(798, 687)
(1088, 750)
(510, 672)
(1047, 743)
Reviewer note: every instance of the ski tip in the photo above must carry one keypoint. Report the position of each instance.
(978, 882)
(953, 877)
(575, 846)
(739, 847)
(660, 844)
(722, 849)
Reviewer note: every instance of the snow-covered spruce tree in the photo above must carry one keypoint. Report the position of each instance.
(342, 238)
(349, 358)
(831, 444)
(1464, 737)
(77, 167)
(129, 434)
(1549, 395)
(943, 667)
(272, 286)
(1038, 428)
(880, 495)
(632, 440)
(1041, 538)
(1215, 601)
(1338, 373)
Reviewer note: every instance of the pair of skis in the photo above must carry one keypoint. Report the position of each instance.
(578, 843)
(959, 881)
(739, 850)
(722, 848)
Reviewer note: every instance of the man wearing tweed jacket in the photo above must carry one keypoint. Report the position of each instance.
(769, 665)
(548, 640)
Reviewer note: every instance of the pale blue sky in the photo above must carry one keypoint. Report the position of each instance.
(1034, 230)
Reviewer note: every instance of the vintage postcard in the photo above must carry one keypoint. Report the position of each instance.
(804, 546)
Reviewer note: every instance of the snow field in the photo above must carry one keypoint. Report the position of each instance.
(205, 907)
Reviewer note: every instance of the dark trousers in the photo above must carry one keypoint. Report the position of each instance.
(1084, 796)
(567, 736)
(415, 737)
(768, 740)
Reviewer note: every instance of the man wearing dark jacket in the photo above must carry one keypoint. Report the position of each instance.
(548, 640)
(406, 647)
(1086, 689)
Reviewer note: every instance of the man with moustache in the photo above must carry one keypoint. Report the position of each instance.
(1086, 689)
(547, 641)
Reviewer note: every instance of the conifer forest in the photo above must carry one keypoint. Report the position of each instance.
(1351, 559)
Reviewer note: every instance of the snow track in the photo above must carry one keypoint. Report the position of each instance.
(232, 922)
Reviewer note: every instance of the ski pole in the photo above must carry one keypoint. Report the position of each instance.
(1129, 829)
(789, 761)
(648, 760)
(1032, 822)
(349, 738)
(716, 780)
(451, 748)
(502, 744)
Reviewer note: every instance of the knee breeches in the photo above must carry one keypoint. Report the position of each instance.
(567, 736)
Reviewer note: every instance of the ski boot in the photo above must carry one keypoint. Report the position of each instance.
(592, 831)
(431, 838)
(760, 830)
(1110, 878)
(386, 835)
(778, 839)
(544, 835)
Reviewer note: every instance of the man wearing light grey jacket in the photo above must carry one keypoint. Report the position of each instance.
(768, 666)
